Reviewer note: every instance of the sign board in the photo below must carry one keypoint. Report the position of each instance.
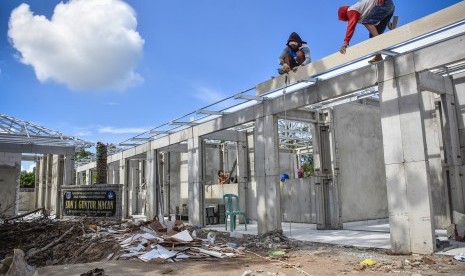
(93, 203)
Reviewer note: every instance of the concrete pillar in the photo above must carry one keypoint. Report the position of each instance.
(56, 183)
(452, 148)
(195, 180)
(37, 183)
(141, 188)
(267, 174)
(89, 177)
(459, 94)
(42, 181)
(80, 178)
(133, 184)
(174, 181)
(123, 177)
(242, 174)
(405, 155)
(48, 186)
(68, 169)
(151, 176)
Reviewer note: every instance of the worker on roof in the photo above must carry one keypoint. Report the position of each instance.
(295, 53)
(373, 14)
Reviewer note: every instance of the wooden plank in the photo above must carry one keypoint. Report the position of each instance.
(427, 24)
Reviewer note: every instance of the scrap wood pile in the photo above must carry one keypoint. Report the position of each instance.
(51, 242)
(46, 241)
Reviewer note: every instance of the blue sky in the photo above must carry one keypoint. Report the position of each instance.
(138, 64)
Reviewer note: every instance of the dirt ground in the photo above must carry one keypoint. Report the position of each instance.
(75, 247)
(322, 260)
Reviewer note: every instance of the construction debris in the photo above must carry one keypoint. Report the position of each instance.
(17, 265)
(53, 242)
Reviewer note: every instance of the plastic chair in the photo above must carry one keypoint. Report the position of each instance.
(232, 211)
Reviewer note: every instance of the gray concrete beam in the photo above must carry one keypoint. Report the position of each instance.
(22, 148)
(225, 135)
(431, 82)
(174, 148)
(299, 115)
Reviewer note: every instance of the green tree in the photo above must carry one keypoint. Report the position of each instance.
(27, 179)
(82, 154)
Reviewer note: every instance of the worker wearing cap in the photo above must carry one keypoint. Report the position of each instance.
(295, 53)
(373, 14)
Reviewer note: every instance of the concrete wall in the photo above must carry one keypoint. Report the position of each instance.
(212, 162)
(214, 193)
(359, 148)
(10, 170)
(27, 199)
(288, 163)
(298, 200)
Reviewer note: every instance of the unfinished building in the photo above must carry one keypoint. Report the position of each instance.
(386, 142)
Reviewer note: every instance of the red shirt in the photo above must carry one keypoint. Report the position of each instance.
(354, 17)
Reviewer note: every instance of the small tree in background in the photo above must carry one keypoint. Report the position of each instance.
(27, 179)
(101, 163)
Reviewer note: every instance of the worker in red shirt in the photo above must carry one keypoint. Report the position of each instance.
(373, 14)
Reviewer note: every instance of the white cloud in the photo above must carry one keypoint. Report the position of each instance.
(208, 94)
(83, 133)
(30, 168)
(86, 44)
(129, 130)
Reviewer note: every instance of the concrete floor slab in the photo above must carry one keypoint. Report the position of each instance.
(368, 234)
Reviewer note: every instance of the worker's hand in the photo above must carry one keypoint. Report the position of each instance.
(343, 48)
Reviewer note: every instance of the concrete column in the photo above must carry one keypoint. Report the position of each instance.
(56, 183)
(68, 169)
(48, 187)
(89, 177)
(42, 181)
(174, 181)
(133, 186)
(452, 149)
(151, 176)
(123, 177)
(195, 180)
(242, 175)
(80, 178)
(405, 155)
(37, 183)
(267, 174)
(141, 188)
(112, 172)
(459, 96)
